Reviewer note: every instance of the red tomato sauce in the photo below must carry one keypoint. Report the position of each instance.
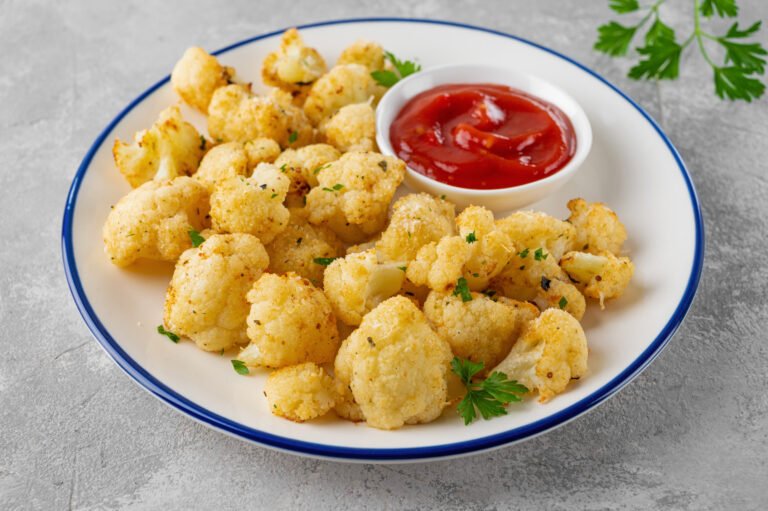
(482, 136)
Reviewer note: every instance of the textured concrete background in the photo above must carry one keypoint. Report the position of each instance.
(690, 433)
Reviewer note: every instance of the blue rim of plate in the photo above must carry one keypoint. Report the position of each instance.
(169, 396)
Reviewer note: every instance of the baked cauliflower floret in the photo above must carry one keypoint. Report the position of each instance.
(534, 230)
(300, 245)
(352, 128)
(293, 65)
(170, 148)
(345, 84)
(303, 165)
(251, 205)
(206, 300)
(366, 53)
(600, 276)
(598, 228)
(235, 159)
(551, 351)
(396, 366)
(353, 194)
(481, 330)
(417, 219)
(357, 283)
(300, 393)
(290, 322)
(153, 221)
(439, 265)
(236, 115)
(197, 75)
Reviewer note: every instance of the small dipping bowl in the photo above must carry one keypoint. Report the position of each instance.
(500, 199)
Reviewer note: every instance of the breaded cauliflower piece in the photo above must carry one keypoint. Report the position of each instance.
(236, 115)
(197, 75)
(235, 159)
(300, 393)
(170, 148)
(550, 353)
(293, 66)
(482, 329)
(534, 230)
(540, 280)
(252, 205)
(598, 228)
(302, 166)
(417, 219)
(357, 283)
(345, 84)
(206, 300)
(353, 194)
(153, 221)
(299, 245)
(601, 276)
(352, 128)
(478, 253)
(396, 366)
(290, 322)
(366, 53)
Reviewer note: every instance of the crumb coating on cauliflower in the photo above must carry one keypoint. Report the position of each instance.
(293, 66)
(357, 283)
(302, 166)
(235, 159)
(206, 300)
(396, 366)
(300, 393)
(345, 84)
(170, 148)
(252, 205)
(482, 329)
(299, 245)
(153, 221)
(353, 194)
(417, 219)
(365, 53)
(550, 353)
(236, 115)
(290, 322)
(438, 265)
(598, 228)
(197, 75)
(601, 276)
(534, 230)
(352, 128)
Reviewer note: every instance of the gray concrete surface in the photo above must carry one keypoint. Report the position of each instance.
(75, 433)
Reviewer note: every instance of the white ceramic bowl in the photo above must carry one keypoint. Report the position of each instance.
(501, 199)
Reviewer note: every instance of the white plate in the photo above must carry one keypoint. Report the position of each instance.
(632, 166)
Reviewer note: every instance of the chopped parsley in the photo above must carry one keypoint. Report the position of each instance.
(273, 196)
(563, 302)
(323, 261)
(320, 167)
(488, 396)
(240, 367)
(170, 335)
(442, 197)
(471, 238)
(462, 290)
(383, 165)
(334, 188)
(197, 240)
(292, 137)
(283, 168)
(524, 253)
(540, 255)
(203, 143)
(403, 268)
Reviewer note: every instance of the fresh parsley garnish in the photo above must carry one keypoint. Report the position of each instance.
(462, 290)
(323, 261)
(292, 137)
(170, 335)
(471, 238)
(563, 302)
(403, 68)
(524, 253)
(203, 143)
(488, 396)
(197, 240)
(320, 167)
(737, 78)
(273, 196)
(402, 268)
(334, 188)
(540, 255)
(283, 168)
(240, 367)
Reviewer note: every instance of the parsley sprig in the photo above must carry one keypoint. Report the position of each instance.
(488, 396)
(196, 238)
(737, 78)
(403, 68)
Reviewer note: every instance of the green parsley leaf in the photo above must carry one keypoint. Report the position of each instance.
(170, 335)
(273, 196)
(442, 197)
(385, 78)
(735, 83)
(463, 290)
(335, 188)
(203, 143)
(465, 369)
(746, 56)
(487, 397)
(662, 60)
(240, 367)
(292, 137)
(402, 268)
(524, 253)
(540, 255)
(320, 167)
(624, 6)
(735, 33)
(197, 240)
(723, 8)
(563, 302)
(614, 38)
(403, 68)
(283, 168)
(323, 261)
(659, 30)
(471, 238)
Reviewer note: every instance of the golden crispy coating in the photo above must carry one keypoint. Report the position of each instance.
(352, 128)
(598, 228)
(363, 52)
(235, 159)
(300, 393)
(345, 84)
(294, 66)
(197, 75)
(601, 276)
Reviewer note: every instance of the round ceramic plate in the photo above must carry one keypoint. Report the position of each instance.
(632, 166)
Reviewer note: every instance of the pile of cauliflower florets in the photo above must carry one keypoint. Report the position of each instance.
(289, 250)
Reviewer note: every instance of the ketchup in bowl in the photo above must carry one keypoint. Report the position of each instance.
(482, 136)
